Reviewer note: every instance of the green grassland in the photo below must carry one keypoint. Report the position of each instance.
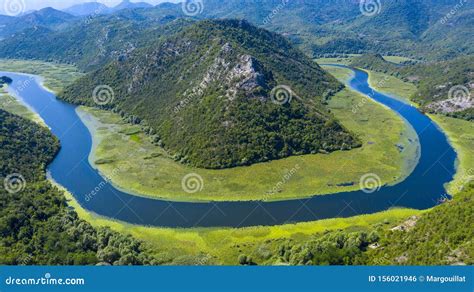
(342, 74)
(347, 59)
(385, 83)
(12, 105)
(392, 86)
(147, 170)
(56, 76)
(211, 246)
(460, 132)
(461, 136)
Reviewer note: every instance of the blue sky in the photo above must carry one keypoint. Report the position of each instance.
(61, 4)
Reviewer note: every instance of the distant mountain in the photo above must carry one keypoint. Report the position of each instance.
(127, 4)
(210, 93)
(88, 8)
(90, 44)
(5, 19)
(46, 17)
(428, 29)
(340, 26)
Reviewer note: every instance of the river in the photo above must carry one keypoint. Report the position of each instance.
(422, 189)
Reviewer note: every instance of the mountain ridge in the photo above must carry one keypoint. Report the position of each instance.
(206, 95)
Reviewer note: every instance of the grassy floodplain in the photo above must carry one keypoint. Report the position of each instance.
(346, 60)
(224, 245)
(460, 133)
(147, 169)
(56, 76)
(461, 136)
(392, 86)
(12, 105)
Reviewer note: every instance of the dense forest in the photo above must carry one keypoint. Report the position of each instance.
(36, 225)
(442, 236)
(156, 64)
(427, 29)
(222, 94)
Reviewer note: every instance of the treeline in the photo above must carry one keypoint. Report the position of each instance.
(442, 236)
(36, 225)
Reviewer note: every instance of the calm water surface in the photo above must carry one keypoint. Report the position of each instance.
(422, 189)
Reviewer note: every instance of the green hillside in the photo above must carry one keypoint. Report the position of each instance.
(208, 96)
(90, 44)
(36, 226)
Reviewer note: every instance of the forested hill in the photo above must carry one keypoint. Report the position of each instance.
(36, 226)
(90, 44)
(423, 29)
(222, 94)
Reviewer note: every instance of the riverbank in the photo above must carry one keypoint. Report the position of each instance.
(56, 76)
(223, 246)
(172, 243)
(12, 105)
(149, 171)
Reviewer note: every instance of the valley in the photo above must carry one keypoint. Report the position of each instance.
(297, 135)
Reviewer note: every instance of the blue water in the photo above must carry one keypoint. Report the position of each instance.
(422, 189)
